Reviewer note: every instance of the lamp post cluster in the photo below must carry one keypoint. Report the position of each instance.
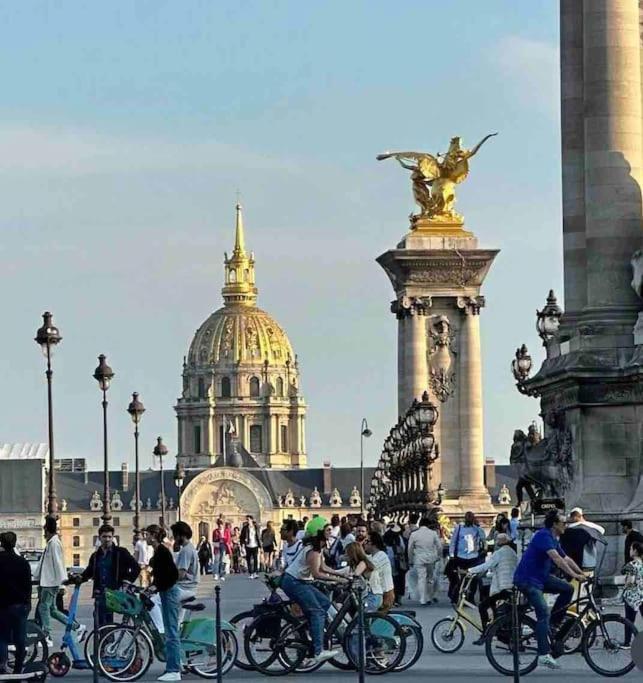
(402, 482)
(48, 337)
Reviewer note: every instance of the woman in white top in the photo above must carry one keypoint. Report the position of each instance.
(297, 585)
(381, 578)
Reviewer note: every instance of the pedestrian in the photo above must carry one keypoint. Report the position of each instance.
(268, 543)
(631, 535)
(424, 551)
(187, 562)
(411, 526)
(514, 526)
(361, 532)
(502, 565)
(236, 550)
(577, 521)
(290, 545)
(534, 578)
(250, 542)
(50, 575)
(142, 556)
(219, 550)
(15, 602)
(204, 551)
(381, 578)
(633, 590)
(396, 550)
(227, 542)
(465, 549)
(165, 576)
(108, 567)
(334, 523)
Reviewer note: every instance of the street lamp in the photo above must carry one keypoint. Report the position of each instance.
(136, 410)
(160, 451)
(104, 375)
(548, 320)
(179, 476)
(364, 432)
(48, 336)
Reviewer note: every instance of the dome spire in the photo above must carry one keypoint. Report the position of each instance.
(239, 288)
(239, 237)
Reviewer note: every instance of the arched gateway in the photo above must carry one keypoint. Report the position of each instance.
(224, 492)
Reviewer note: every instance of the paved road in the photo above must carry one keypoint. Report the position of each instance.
(239, 593)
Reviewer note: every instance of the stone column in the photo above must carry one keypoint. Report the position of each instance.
(412, 349)
(573, 155)
(470, 385)
(612, 74)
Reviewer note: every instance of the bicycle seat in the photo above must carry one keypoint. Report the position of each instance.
(198, 607)
(184, 602)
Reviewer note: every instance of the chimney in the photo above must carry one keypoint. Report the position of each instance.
(124, 477)
(328, 484)
(490, 473)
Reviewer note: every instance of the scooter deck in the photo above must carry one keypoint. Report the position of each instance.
(33, 672)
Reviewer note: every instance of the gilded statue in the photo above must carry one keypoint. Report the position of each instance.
(434, 179)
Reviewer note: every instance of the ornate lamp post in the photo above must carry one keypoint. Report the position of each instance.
(364, 432)
(521, 367)
(136, 410)
(548, 320)
(179, 476)
(104, 375)
(160, 451)
(48, 336)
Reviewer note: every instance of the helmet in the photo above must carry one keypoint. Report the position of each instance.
(315, 525)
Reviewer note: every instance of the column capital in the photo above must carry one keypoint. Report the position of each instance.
(406, 306)
(471, 305)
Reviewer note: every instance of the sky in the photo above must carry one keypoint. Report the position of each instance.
(127, 130)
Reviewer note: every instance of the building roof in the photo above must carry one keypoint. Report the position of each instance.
(24, 451)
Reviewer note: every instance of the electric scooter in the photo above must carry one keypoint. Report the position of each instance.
(59, 663)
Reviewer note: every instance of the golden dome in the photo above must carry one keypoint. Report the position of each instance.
(243, 334)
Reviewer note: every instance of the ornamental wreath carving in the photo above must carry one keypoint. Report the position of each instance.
(441, 357)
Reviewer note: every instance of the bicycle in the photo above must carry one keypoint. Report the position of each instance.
(36, 648)
(286, 646)
(126, 651)
(601, 636)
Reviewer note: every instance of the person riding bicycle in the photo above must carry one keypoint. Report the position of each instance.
(502, 565)
(533, 577)
(297, 585)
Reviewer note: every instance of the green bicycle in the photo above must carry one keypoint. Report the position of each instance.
(126, 651)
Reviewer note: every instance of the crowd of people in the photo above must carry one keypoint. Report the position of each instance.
(396, 563)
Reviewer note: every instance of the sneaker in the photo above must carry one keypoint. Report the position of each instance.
(216, 577)
(222, 578)
(548, 662)
(170, 676)
(49, 641)
(480, 641)
(325, 655)
(81, 632)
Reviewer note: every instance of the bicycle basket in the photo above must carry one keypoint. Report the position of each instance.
(123, 603)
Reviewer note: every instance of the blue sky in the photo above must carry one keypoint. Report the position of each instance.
(126, 130)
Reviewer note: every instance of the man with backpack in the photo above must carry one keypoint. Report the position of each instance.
(465, 550)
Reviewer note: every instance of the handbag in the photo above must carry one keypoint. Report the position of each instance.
(450, 568)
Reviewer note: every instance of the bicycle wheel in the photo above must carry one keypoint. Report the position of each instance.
(89, 642)
(604, 645)
(499, 646)
(36, 648)
(242, 621)
(573, 641)
(124, 654)
(383, 640)
(414, 645)
(447, 635)
(203, 660)
(275, 644)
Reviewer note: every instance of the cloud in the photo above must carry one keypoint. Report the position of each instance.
(530, 68)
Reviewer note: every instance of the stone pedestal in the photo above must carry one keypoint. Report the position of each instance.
(437, 272)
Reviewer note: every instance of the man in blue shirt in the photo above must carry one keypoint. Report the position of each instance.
(466, 550)
(533, 577)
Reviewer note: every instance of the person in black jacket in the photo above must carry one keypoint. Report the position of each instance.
(108, 567)
(15, 602)
(250, 541)
(631, 535)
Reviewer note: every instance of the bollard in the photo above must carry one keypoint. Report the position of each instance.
(217, 602)
(360, 633)
(515, 635)
(95, 667)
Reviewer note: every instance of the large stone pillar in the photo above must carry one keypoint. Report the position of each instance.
(471, 428)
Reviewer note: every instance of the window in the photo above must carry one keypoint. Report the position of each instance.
(116, 521)
(96, 521)
(76, 560)
(255, 439)
(221, 446)
(226, 390)
(197, 439)
(233, 276)
(75, 521)
(284, 438)
(254, 387)
(280, 386)
(201, 388)
(76, 541)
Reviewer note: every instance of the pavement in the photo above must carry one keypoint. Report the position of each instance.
(238, 593)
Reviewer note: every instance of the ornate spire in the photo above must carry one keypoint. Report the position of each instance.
(239, 288)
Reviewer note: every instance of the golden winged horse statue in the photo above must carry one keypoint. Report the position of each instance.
(434, 178)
